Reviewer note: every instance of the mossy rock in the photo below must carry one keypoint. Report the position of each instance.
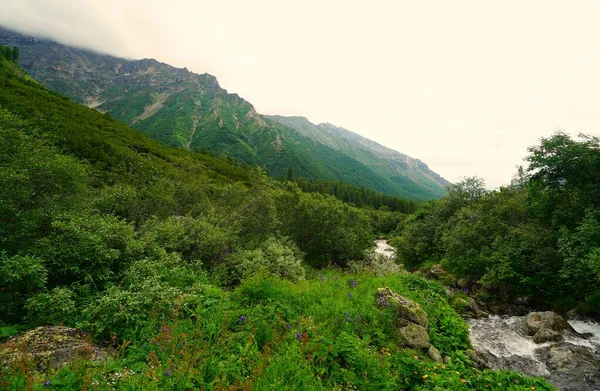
(535, 321)
(405, 308)
(51, 347)
(413, 336)
(547, 335)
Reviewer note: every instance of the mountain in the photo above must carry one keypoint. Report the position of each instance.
(396, 166)
(184, 109)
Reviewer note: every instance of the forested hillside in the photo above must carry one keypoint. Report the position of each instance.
(185, 271)
(188, 110)
(536, 241)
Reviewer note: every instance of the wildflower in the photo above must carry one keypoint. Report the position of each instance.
(242, 318)
(298, 336)
(424, 377)
(463, 381)
(416, 372)
(353, 283)
(169, 371)
(288, 326)
(47, 383)
(532, 388)
(165, 329)
(349, 295)
(381, 301)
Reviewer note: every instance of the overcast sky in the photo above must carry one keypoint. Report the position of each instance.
(465, 86)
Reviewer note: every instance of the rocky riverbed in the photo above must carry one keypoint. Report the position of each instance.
(544, 344)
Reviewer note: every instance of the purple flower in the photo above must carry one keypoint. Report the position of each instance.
(288, 326)
(169, 371)
(242, 318)
(47, 383)
(350, 295)
(299, 336)
(165, 329)
(353, 283)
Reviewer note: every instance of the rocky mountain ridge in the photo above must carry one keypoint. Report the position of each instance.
(189, 110)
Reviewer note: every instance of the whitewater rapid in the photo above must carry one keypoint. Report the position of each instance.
(570, 365)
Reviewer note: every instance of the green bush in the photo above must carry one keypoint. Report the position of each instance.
(280, 258)
(52, 308)
(21, 276)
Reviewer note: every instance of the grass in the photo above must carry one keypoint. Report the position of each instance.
(326, 333)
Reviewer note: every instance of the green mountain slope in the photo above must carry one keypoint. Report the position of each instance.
(184, 109)
(399, 168)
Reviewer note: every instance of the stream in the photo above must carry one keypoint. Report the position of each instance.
(570, 365)
(382, 247)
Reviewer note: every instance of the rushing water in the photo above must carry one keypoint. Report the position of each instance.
(382, 247)
(571, 365)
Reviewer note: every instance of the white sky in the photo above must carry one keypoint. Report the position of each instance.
(465, 86)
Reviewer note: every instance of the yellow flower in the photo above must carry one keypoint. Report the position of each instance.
(425, 377)
(463, 381)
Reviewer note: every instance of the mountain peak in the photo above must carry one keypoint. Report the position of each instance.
(189, 110)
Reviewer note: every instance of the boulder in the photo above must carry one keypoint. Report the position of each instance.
(478, 360)
(412, 335)
(547, 335)
(51, 347)
(475, 309)
(435, 272)
(463, 283)
(406, 309)
(535, 321)
(434, 354)
(447, 360)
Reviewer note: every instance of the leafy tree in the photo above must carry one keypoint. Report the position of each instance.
(15, 54)
(325, 229)
(564, 178)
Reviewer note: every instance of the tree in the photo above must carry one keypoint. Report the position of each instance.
(15, 53)
(564, 178)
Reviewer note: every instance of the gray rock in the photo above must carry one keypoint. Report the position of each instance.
(435, 272)
(434, 354)
(478, 360)
(534, 321)
(447, 360)
(475, 309)
(573, 368)
(547, 335)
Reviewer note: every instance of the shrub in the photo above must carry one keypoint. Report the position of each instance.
(280, 258)
(52, 308)
(20, 277)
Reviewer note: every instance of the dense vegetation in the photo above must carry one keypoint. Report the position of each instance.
(200, 273)
(537, 240)
(359, 196)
